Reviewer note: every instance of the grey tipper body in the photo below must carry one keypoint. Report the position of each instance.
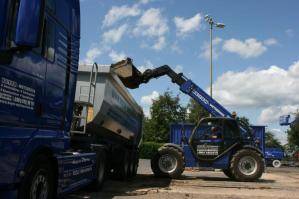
(114, 108)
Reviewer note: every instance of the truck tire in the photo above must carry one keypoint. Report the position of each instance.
(133, 164)
(121, 171)
(228, 173)
(136, 164)
(168, 162)
(39, 180)
(101, 164)
(247, 165)
(276, 163)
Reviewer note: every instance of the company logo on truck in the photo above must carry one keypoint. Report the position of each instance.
(15, 94)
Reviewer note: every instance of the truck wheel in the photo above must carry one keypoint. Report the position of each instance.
(168, 162)
(247, 165)
(136, 164)
(228, 173)
(38, 183)
(133, 164)
(276, 163)
(97, 184)
(122, 170)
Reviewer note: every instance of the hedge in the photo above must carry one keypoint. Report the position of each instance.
(148, 149)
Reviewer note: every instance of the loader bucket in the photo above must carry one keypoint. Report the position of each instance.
(128, 73)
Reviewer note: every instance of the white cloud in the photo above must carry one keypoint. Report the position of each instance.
(271, 114)
(206, 51)
(152, 24)
(274, 90)
(246, 49)
(178, 69)
(115, 14)
(290, 33)
(148, 99)
(114, 35)
(185, 26)
(115, 57)
(145, 1)
(280, 135)
(270, 42)
(160, 44)
(91, 55)
(148, 65)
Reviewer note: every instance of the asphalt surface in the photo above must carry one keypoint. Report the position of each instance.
(275, 183)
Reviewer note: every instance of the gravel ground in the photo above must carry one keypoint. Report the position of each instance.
(275, 183)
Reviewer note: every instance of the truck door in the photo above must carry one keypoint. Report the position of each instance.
(58, 64)
(213, 137)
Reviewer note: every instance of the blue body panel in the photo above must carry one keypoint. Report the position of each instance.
(37, 94)
(176, 137)
(273, 154)
(202, 98)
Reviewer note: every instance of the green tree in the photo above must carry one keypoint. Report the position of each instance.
(195, 111)
(164, 111)
(271, 141)
(293, 133)
(243, 120)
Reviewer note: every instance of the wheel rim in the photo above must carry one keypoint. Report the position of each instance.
(167, 163)
(39, 187)
(276, 163)
(247, 165)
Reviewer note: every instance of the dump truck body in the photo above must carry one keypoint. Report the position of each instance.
(114, 109)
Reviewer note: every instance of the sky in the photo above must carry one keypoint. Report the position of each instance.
(256, 61)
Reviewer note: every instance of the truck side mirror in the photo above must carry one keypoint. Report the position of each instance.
(29, 23)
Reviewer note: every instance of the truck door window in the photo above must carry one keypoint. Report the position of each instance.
(47, 47)
(50, 46)
(50, 5)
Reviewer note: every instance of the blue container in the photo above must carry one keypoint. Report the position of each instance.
(274, 154)
(176, 137)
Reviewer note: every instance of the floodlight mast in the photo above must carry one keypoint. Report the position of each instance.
(212, 24)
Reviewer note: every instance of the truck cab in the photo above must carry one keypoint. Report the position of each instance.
(39, 53)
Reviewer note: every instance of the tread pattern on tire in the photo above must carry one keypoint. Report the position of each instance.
(40, 161)
(155, 167)
(234, 163)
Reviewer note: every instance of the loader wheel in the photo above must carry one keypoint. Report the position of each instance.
(39, 181)
(247, 165)
(276, 163)
(97, 184)
(168, 162)
(228, 173)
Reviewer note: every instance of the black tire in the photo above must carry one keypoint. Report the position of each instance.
(133, 164)
(242, 163)
(39, 179)
(136, 164)
(174, 164)
(121, 171)
(228, 173)
(97, 184)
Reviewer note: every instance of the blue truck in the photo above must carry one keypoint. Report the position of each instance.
(58, 134)
(220, 141)
(274, 156)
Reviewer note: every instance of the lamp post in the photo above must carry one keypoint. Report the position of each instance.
(212, 24)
